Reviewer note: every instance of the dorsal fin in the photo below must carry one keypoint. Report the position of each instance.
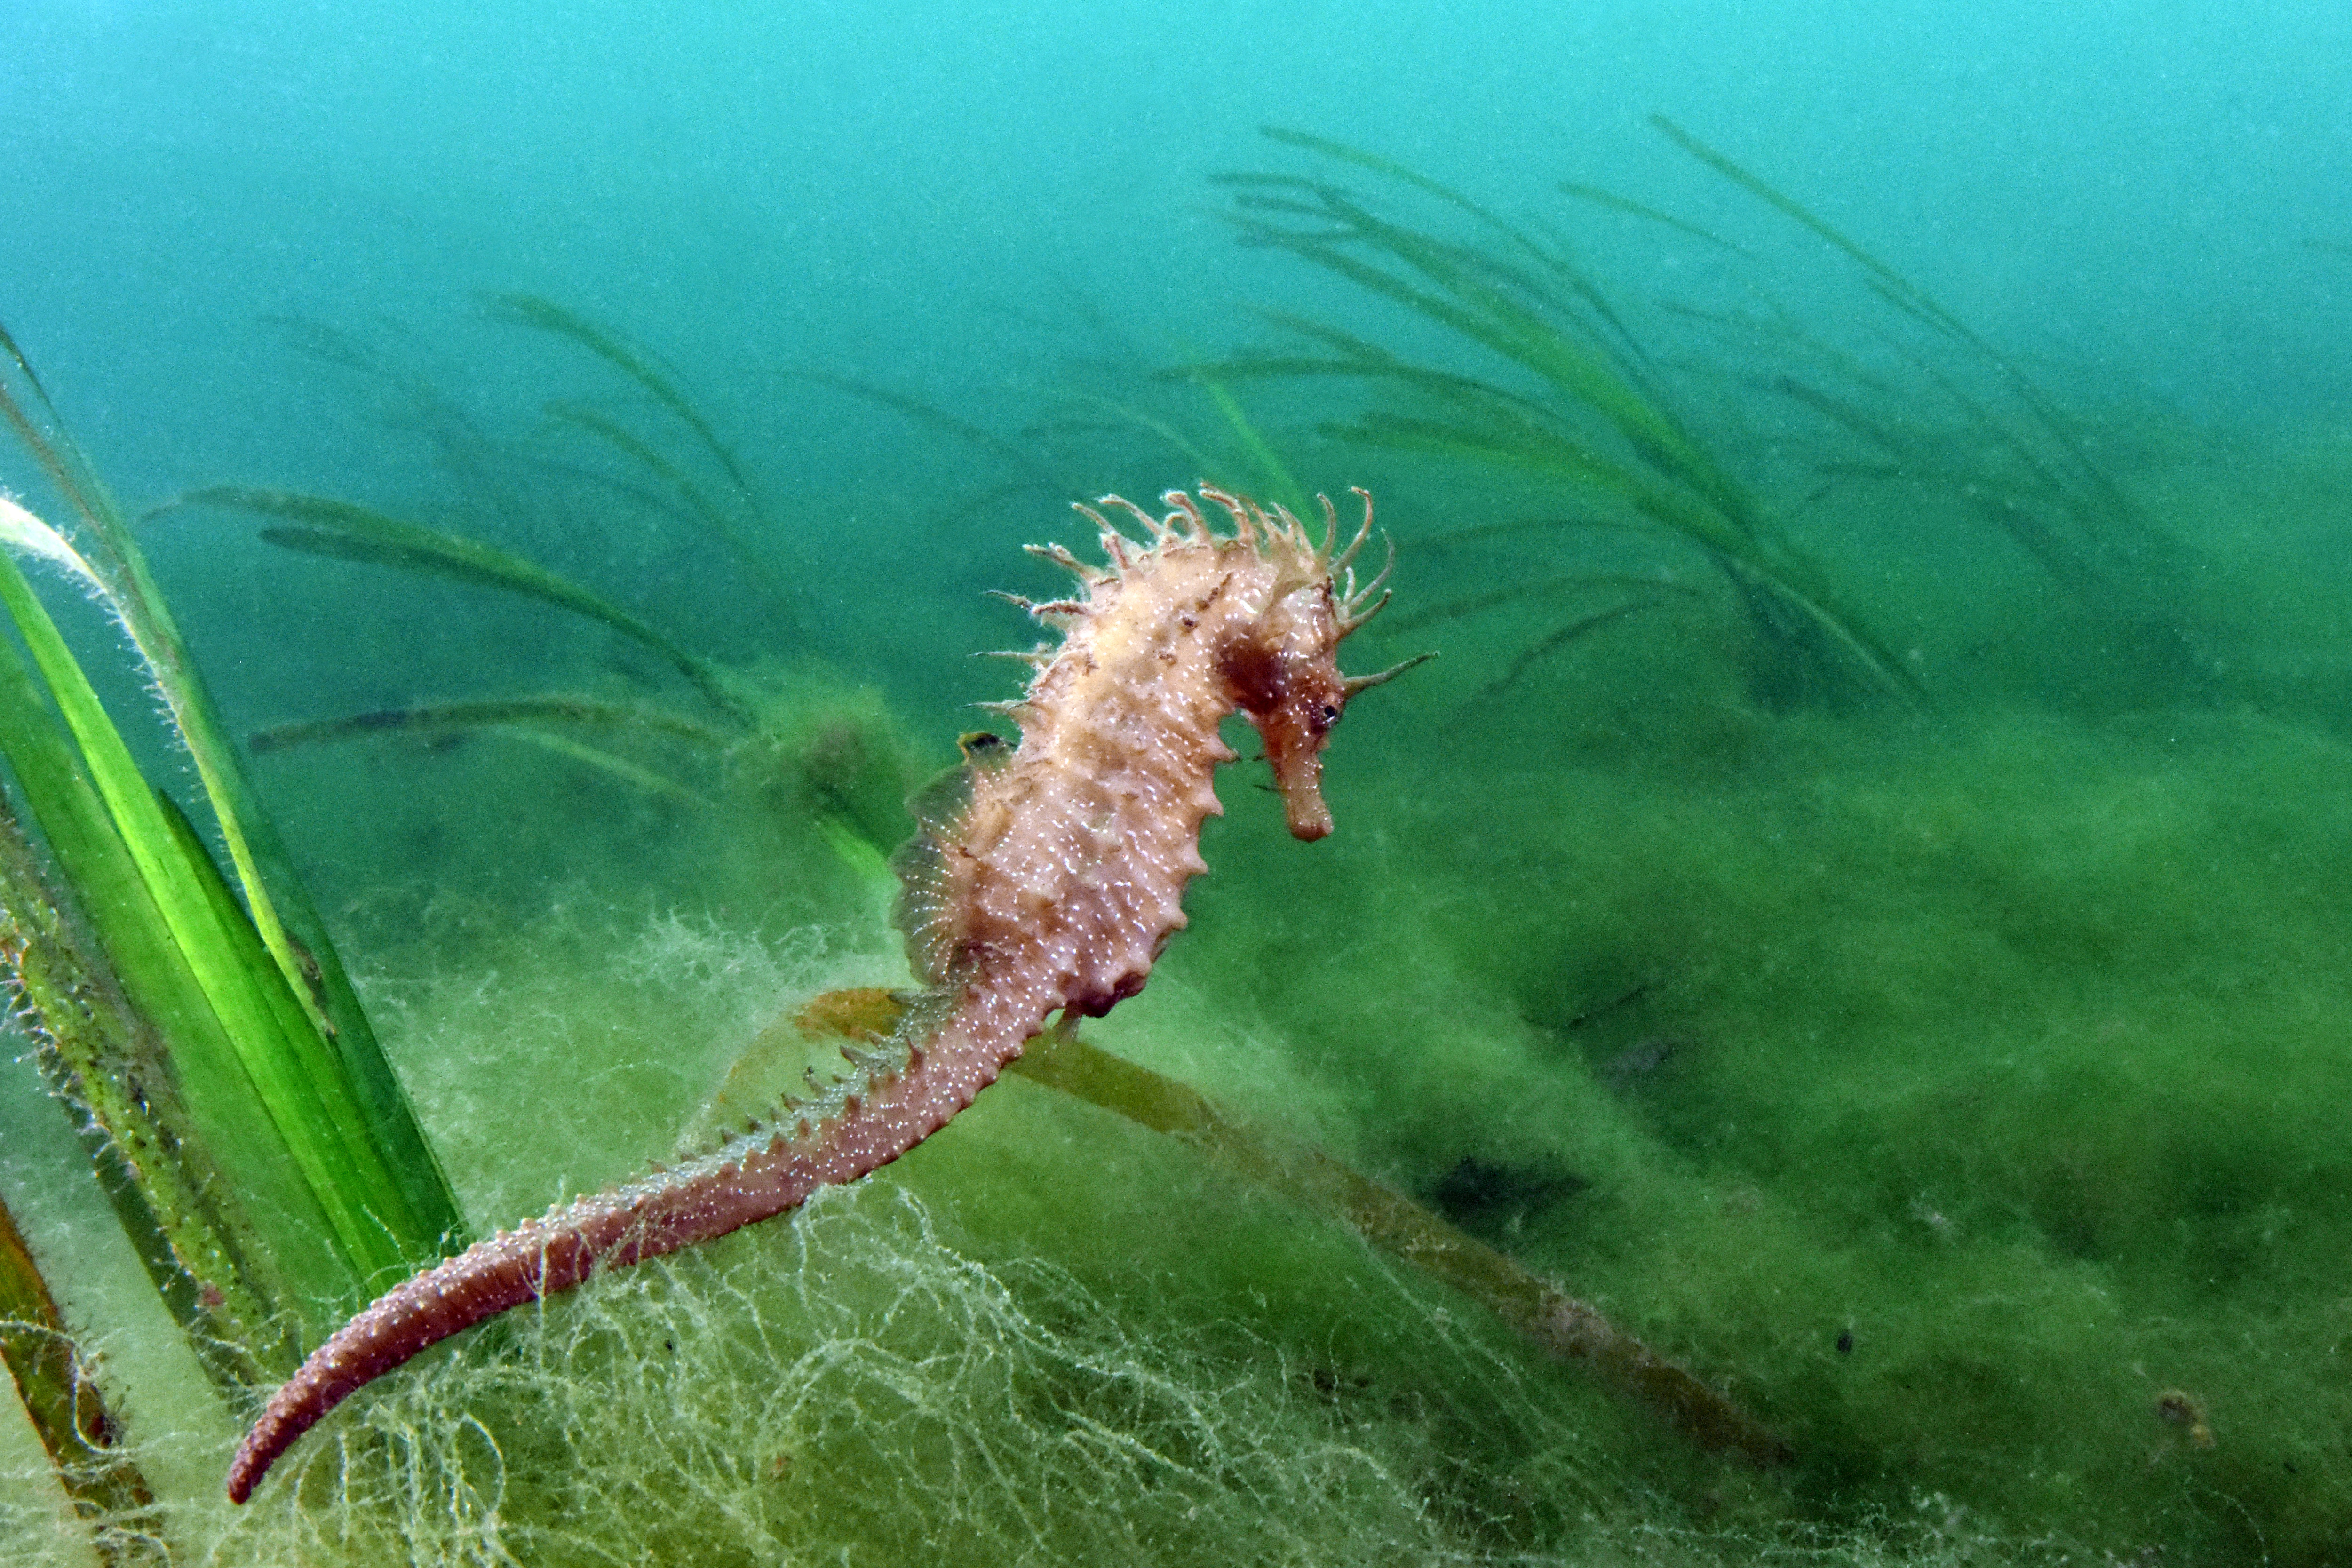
(939, 804)
(925, 913)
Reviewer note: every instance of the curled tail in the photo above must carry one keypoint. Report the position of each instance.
(952, 1046)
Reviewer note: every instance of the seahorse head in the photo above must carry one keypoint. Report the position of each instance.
(1282, 672)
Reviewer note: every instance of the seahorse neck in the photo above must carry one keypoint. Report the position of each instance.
(1142, 661)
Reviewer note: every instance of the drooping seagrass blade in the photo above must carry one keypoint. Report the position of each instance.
(547, 316)
(189, 1226)
(58, 1386)
(347, 530)
(251, 1010)
(291, 929)
(260, 1079)
(740, 521)
(1596, 423)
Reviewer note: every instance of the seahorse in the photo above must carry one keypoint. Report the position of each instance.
(1044, 878)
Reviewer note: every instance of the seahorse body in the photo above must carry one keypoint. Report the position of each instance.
(1042, 881)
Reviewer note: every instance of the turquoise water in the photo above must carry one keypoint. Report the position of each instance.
(1858, 897)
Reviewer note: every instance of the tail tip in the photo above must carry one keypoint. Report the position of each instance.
(253, 1458)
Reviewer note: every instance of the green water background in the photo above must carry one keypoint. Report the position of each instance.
(1950, 1086)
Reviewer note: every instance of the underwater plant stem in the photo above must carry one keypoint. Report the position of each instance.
(1254, 442)
(346, 531)
(708, 512)
(69, 1414)
(198, 1006)
(1602, 427)
(293, 1020)
(164, 1187)
(240, 1010)
(409, 1194)
(1563, 1326)
(440, 720)
(546, 316)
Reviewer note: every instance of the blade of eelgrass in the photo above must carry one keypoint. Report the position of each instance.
(54, 1383)
(1178, 441)
(1553, 641)
(1452, 295)
(117, 568)
(1501, 410)
(635, 775)
(546, 316)
(626, 442)
(930, 414)
(1478, 603)
(1565, 1328)
(187, 1227)
(1648, 214)
(305, 961)
(321, 1113)
(1584, 297)
(444, 718)
(158, 973)
(1919, 460)
(655, 501)
(1450, 385)
(2016, 505)
(347, 530)
(1777, 573)
(1590, 378)
(1673, 480)
(1898, 289)
(290, 1069)
(1789, 581)
(1549, 259)
(1506, 416)
(1388, 168)
(485, 471)
(362, 1193)
(1275, 481)
(524, 721)
(1559, 458)
(1279, 484)
(2114, 508)
(2100, 517)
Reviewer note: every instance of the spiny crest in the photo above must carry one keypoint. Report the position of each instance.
(1305, 561)
(1271, 530)
(1060, 556)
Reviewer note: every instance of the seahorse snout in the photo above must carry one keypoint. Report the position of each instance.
(1296, 753)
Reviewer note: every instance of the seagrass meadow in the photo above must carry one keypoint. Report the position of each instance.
(1819, 1033)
